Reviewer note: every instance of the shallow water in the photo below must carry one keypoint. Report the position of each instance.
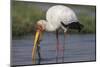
(77, 48)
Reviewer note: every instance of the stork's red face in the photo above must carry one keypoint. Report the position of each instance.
(39, 30)
(40, 27)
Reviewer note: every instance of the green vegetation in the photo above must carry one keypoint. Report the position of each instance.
(88, 22)
(25, 15)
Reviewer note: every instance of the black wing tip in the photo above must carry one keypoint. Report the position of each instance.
(64, 24)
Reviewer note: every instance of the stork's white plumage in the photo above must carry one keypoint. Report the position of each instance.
(57, 16)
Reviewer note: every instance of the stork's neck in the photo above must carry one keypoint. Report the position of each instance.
(50, 27)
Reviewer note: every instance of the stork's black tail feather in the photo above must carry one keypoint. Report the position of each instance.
(73, 25)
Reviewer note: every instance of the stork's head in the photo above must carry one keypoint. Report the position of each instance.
(40, 27)
(41, 24)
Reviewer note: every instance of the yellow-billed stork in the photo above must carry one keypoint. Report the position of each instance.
(58, 16)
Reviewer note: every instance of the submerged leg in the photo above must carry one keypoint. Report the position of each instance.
(64, 46)
(39, 53)
(57, 45)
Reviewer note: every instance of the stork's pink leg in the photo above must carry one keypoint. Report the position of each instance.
(57, 45)
(63, 47)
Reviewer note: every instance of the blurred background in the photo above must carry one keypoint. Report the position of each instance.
(26, 14)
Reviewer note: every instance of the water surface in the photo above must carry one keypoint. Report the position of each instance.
(78, 47)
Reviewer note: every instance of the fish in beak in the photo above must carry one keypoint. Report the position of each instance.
(38, 34)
